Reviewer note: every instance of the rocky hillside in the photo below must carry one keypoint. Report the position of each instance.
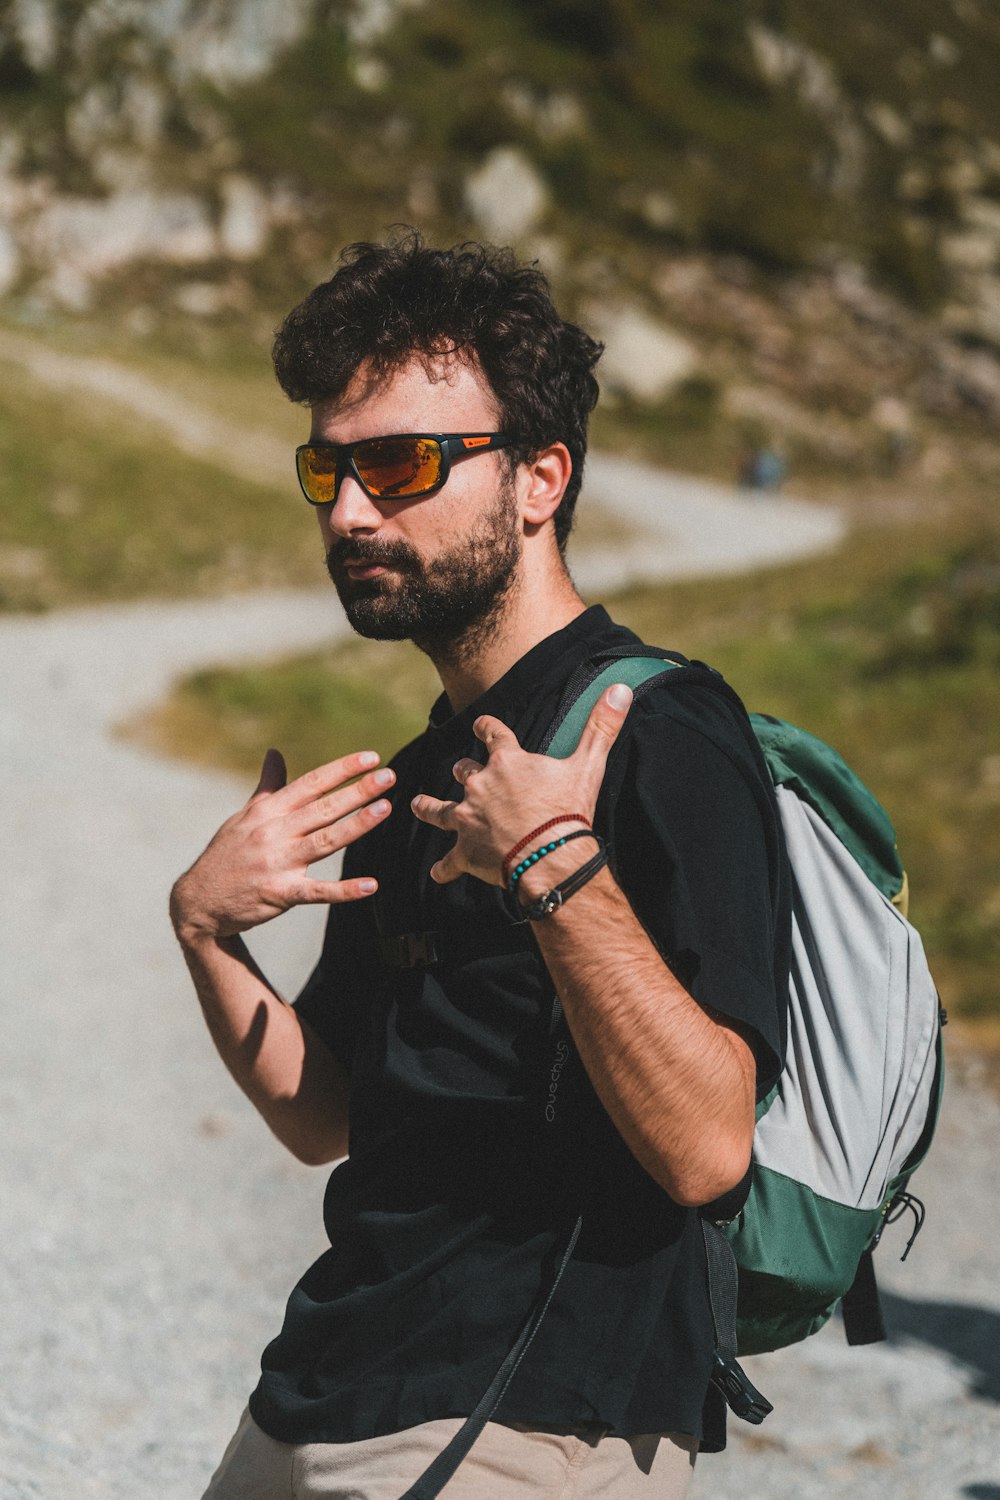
(782, 215)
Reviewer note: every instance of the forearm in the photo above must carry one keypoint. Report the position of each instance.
(678, 1085)
(287, 1072)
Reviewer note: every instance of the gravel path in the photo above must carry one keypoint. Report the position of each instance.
(153, 1228)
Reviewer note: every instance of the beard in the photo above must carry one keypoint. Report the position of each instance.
(447, 606)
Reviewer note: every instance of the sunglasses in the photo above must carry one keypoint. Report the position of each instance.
(388, 468)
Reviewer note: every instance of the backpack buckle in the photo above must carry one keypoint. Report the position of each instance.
(740, 1394)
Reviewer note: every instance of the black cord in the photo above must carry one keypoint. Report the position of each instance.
(552, 900)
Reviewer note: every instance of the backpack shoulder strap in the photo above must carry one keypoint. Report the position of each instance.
(585, 689)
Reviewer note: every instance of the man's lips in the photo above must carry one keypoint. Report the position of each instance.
(355, 567)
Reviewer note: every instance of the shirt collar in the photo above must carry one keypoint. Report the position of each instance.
(514, 692)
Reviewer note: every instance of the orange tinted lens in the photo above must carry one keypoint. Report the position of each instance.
(318, 474)
(399, 466)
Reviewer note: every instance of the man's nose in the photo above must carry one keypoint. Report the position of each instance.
(353, 511)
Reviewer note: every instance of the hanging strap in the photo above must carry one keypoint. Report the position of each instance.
(861, 1307)
(434, 1478)
(740, 1394)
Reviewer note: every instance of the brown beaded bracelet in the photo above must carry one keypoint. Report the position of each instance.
(542, 828)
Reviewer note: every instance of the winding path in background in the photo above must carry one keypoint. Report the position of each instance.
(152, 1226)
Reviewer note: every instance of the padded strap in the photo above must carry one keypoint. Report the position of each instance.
(634, 670)
(434, 1478)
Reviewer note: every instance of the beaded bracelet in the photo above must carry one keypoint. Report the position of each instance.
(560, 894)
(542, 828)
(533, 858)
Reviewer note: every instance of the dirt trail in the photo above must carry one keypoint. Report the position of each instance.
(154, 1228)
(244, 452)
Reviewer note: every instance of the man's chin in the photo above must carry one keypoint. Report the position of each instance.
(375, 628)
(374, 616)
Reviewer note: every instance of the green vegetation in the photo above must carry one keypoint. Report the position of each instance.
(95, 505)
(313, 707)
(781, 130)
(890, 650)
(747, 127)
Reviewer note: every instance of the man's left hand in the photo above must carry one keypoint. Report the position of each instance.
(516, 791)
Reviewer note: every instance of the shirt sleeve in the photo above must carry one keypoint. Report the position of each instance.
(697, 850)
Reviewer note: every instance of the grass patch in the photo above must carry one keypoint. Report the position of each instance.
(889, 650)
(224, 370)
(313, 707)
(96, 506)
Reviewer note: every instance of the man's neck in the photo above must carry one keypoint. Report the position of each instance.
(529, 615)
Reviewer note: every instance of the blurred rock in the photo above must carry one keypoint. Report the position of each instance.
(552, 116)
(81, 239)
(506, 196)
(230, 41)
(202, 299)
(971, 250)
(891, 126)
(10, 258)
(783, 60)
(642, 358)
(33, 22)
(978, 316)
(244, 226)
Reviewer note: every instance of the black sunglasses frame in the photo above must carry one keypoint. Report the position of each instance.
(453, 445)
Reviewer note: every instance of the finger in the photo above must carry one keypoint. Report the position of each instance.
(465, 768)
(333, 892)
(603, 726)
(494, 733)
(330, 840)
(432, 810)
(327, 778)
(273, 775)
(446, 869)
(324, 811)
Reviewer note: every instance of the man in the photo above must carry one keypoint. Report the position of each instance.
(449, 410)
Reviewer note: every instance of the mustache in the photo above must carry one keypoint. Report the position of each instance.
(372, 551)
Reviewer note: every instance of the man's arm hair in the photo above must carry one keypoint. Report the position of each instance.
(677, 1082)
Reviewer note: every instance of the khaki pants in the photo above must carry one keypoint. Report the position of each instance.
(506, 1463)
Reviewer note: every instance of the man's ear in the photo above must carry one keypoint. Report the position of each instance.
(542, 483)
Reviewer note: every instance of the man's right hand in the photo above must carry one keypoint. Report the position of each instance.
(257, 864)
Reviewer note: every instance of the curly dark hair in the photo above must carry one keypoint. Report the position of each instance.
(387, 303)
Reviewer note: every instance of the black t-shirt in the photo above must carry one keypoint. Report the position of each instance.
(458, 1194)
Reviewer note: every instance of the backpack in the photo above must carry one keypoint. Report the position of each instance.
(853, 1112)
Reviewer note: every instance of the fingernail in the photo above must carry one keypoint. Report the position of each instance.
(369, 758)
(620, 696)
(380, 808)
(367, 886)
(384, 778)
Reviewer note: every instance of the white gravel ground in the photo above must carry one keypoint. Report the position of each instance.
(153, 1228)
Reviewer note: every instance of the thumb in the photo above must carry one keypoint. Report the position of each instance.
(604, 725)
(273, 774)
